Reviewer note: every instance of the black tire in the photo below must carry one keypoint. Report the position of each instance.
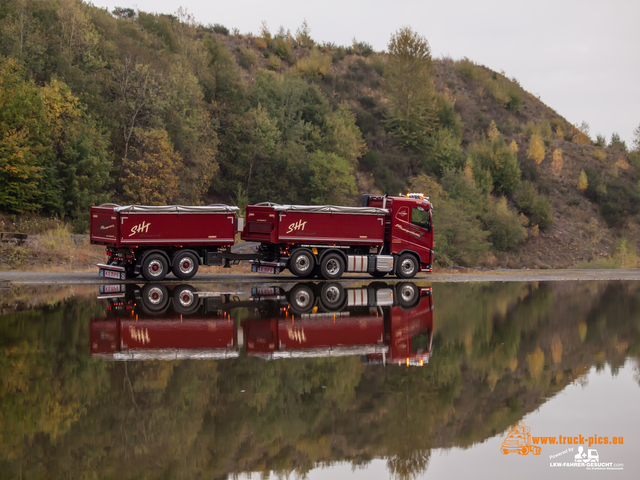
(155, 267)
(185, 265)
(408, 294)
(332, 296)
(407, 266)
(378, 274)
(185, 299)
(331, 266)
(302, 263)
(301, 299)
(155, 298)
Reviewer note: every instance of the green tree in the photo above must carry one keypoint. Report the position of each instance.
(332, 180)
(342, 135)
(410, 89)
(499, 160)
(150, 172)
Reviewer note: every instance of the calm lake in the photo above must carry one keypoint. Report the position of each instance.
(321, 380)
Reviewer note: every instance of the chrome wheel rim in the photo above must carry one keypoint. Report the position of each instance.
(303, 263)
(155, 295)
(332, 294)
(302, 298)
(155, 268)
(186, 265)
(407, 266)
(333, 266)
(407, 293)
(186, 298)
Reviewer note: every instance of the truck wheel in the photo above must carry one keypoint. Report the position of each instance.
(301, 299)
(407, 266)
(332, 296)
(185, 265)
(302, 263)
(332, 266)
(155, 297)
(155, 267)
(185, 299)
(408, 294)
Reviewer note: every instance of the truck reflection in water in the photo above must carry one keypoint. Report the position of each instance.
(381, 323)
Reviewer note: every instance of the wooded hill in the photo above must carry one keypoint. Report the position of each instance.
(131, 107)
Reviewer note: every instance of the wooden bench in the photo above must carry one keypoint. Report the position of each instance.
(13, 237)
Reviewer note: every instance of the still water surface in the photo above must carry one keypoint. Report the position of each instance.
(321, 380)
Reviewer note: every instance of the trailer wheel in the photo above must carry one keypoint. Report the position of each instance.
(185, 265)
(332, 296)
(302, 263)
(155, 267)
(332, 266)
(408, 294)
(185, 299)
(155, 297)
(301, 299)
(407, 266)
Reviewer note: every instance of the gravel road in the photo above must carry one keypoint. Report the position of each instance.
(92, 278)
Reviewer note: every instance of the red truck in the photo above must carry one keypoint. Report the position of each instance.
(386, 235)
(381, 323)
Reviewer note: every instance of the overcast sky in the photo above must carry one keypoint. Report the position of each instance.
(581, 57)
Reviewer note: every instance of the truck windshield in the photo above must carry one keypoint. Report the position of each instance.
(420, 217)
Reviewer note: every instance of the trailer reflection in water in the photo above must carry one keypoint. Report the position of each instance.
(389, 324)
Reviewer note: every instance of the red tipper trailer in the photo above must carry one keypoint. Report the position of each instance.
(153, 240)
(386, 235)
(163, 339)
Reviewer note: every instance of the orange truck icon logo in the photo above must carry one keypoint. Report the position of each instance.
(519, 440)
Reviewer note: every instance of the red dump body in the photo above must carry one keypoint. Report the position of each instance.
(323, 225)
(130, 335)
(165, 226)
(285, 336)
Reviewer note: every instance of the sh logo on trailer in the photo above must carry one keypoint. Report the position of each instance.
(141, 227)
(297, 226)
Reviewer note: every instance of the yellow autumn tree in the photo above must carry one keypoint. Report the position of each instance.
(150, 172)
(514, 146)
(493, 131)
(536, 149)
(557, 162)
(535, 362)
(583, 183)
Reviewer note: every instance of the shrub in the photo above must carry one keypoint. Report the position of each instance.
(506, 230)
(260, 43)
(534, 205)
(315, 65)
(221, 29)
(500, 161)
(248, 58)
(274, 63)
(601, 140)
(599, 154)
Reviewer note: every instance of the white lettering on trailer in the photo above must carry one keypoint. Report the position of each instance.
(294, 227)
(141, 227)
